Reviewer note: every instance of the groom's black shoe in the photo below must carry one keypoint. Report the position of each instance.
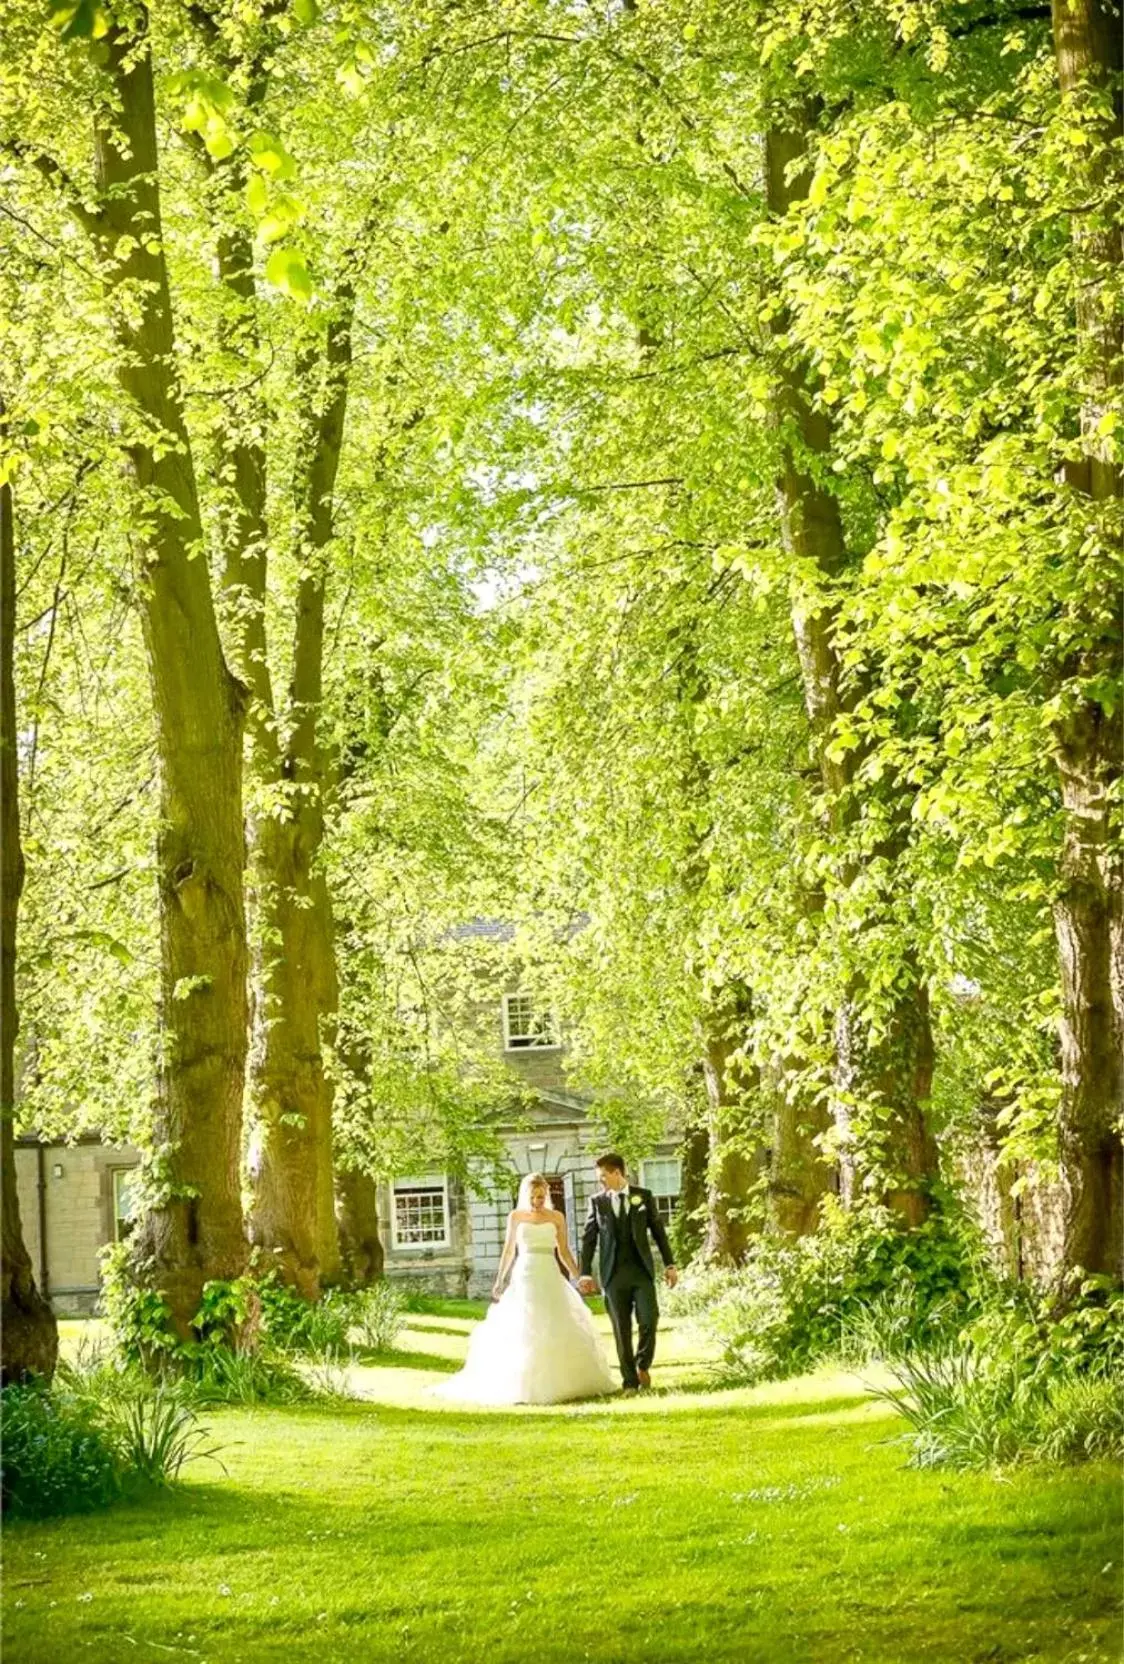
(644, 1379)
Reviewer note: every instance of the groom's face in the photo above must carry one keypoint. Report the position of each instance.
(611, 1179)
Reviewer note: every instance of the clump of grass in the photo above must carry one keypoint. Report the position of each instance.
(379, 1315)
(156, 1434)
(1015, 1386)
(225, 1375)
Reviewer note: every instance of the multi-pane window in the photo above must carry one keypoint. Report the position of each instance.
(421, 1213)
(527, 1024)
(124, 1201)
(662, 1177)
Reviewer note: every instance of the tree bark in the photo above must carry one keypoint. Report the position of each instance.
(1089, 910)
(799, 1176)
(193, 1232)
(292, 1214)
(29, 1341)
(688, 1225)
(886, 1083)
(357, 1215)
(292, 1217)
(734, 1162)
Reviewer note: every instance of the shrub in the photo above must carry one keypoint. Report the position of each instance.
(294, 1324)
(99, 1432)
(140, 1319)
(226, 1376)
(379, 1315)
(55, 1455)
(793, 1304)
(284, 1313)
(1017, 1384)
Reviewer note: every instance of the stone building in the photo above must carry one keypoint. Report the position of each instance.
(74, 1198)
(437, 1234)
(442, 1235)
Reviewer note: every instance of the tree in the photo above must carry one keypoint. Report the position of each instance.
(291, 1216)
(885, 1079)
(1089, 910)
(192, 1229)
(28, 1330)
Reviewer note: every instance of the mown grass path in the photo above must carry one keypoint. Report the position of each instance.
(778, 1524)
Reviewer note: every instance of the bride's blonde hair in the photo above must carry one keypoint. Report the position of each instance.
(530, 1182)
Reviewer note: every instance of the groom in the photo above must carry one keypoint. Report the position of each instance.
(620, 1219)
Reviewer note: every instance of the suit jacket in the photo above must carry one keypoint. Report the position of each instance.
(601, 1232)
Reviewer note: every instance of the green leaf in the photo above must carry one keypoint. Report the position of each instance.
(286, 270)
(78, 22)
(282, 216)
(270, 155)
(306, 12)
(257, 194)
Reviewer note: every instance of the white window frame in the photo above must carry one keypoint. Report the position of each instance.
(662, 1161)
(116, 1174)
(428, 1181)
(524, 1044)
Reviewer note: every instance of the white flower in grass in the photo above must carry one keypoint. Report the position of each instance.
(224, 1589)
(87, 1596)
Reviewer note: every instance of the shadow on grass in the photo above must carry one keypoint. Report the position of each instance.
(395, 1359)
(437, 1329)
(647, 1407)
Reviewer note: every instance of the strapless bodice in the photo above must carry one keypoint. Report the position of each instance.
(535, 1238)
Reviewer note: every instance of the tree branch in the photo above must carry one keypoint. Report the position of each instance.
(57, 177)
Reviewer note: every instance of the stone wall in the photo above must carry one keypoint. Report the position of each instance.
(78, 1197)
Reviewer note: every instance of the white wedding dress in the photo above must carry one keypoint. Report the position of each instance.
(537, 1344)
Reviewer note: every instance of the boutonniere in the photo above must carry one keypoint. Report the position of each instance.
(636, 1201)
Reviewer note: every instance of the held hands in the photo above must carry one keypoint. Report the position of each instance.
(586, 1285)
(671, 1276)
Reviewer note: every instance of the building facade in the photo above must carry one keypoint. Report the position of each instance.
(438, 1234)
(74, 1199)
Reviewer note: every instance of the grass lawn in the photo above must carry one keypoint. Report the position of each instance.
(770, 1524)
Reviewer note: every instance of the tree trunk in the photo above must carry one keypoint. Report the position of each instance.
(799, 1175)
(293, 1217)
(734, 1162)
(29, 1340)
(689, 1229)
(1089, 927)
(194, 1230)
(884, 1085)
(1089, 910)
(292, 1211)
(357, 1215)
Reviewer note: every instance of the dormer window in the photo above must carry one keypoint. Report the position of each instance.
(527, 1025)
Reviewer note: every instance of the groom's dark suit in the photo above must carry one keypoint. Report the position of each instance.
(626, 1273)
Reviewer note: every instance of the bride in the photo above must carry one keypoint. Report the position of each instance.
(537, 1345)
